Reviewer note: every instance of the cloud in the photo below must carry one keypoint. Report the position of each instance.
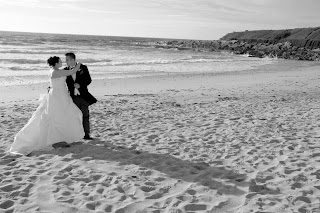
(69, 0)
(102, 11)
(20, 2)
(41, 4)
(177, 15)
(26, 3)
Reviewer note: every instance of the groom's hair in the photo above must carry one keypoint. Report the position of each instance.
(72, 55)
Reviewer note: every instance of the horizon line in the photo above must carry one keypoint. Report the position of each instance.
(100, 35)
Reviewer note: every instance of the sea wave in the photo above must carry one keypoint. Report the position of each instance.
(24, 73)
(22, 61)
(92, 61)
(26, 68)
(17, 68)
(34, 52)
(156, 61)
(108, 62)
(13, 43)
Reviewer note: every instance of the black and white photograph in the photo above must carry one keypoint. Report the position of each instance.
(158, 106)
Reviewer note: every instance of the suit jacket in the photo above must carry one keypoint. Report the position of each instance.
(83, 78)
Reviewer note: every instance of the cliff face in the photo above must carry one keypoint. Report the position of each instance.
(301, 37)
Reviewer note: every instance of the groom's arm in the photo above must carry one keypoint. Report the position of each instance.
(70, 84)
(85, 79)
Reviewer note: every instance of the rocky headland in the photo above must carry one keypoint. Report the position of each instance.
(295, 44)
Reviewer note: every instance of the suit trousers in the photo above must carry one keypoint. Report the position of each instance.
(84, 107)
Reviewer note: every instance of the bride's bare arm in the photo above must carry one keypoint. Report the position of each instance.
(59, 72)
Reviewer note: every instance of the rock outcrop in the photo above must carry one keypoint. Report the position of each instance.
(301, 37)
(295, 44)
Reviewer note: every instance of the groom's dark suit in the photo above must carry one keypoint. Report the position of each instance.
(85, 99)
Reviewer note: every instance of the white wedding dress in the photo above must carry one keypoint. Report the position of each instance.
(57, 119)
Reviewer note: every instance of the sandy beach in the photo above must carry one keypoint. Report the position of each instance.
(211, 143)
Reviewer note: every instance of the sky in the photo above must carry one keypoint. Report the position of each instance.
(179, 19)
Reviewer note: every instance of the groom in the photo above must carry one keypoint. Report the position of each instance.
(77, 85)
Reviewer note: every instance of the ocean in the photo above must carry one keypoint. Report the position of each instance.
(23, 57)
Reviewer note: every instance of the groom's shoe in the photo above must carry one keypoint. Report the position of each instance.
(87, 137)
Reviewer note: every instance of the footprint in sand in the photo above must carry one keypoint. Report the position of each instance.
(5, 205)
(147, 188)
(162, 196)
(195, 207)
(9, 188)
(228, 205)
(44, 189)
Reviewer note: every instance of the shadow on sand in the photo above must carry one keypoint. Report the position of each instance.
(218, 178)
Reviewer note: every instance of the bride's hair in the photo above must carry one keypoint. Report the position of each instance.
(53, 60)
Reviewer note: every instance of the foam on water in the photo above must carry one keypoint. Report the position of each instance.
(25, 54)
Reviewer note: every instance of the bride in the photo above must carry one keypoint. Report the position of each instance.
(57, 118)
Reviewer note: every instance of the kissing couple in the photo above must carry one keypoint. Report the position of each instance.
(62, 116)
